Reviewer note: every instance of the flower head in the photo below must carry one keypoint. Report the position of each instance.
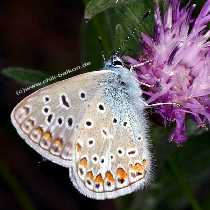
(178, 65)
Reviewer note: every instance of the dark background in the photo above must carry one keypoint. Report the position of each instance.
(49, 35)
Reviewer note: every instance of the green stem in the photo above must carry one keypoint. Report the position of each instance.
(16, 188)
(183, 183)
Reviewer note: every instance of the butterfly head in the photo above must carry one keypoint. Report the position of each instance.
(114, 62)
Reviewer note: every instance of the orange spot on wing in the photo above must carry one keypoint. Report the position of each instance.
(90, 175)
(58, 142)
(83, 162)
(39, 129)
(99, 179)
(78, 147)
(121, 173)
(138, 167)
(47, 136)
(57, 146)
(109, 176)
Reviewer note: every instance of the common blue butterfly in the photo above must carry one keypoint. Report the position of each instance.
(94, 124)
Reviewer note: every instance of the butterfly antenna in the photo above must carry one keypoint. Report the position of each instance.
(146, 14)
(132, 33)
(102, 50)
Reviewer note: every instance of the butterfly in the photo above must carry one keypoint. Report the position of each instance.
(94, 124)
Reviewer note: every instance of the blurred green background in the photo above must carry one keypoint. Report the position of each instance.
(41, 38)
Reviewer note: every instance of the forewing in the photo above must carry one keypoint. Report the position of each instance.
(48, 118)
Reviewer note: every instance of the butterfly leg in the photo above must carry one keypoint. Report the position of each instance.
(139, 65)
(162, 104)
(146, 84)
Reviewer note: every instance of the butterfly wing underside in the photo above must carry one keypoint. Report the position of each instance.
(111, 156)
(48, 118)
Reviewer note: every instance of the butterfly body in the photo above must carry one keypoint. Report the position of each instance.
(95, 126)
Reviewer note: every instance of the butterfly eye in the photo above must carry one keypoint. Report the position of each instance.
(122, 83)
(117, 63)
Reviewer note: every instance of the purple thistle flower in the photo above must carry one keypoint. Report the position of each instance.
(179, 66)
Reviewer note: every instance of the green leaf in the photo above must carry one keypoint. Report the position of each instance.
(95, 7)
(119, 30)
(25, 76)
